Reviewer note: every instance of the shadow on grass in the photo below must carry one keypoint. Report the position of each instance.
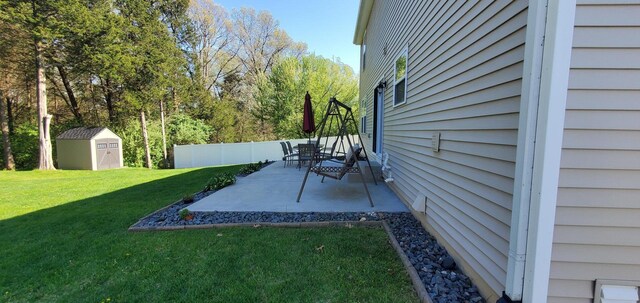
(109, 211)
(81, 252)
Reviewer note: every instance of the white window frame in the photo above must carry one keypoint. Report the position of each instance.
(364, 50)
(405, 53)
(363, 116)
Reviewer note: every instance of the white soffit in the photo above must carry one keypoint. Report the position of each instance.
(364, 12)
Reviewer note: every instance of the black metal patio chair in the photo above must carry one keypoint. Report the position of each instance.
(287, 157)
(306, 152)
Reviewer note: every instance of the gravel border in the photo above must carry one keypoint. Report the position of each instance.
(434, 274)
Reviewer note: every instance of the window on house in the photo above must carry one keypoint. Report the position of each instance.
(364, 50)
(363, 116)
(400, 79)
(102, 145)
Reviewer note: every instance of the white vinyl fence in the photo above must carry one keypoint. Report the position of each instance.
(199, 155)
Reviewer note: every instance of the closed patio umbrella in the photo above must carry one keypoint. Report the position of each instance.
(308, 121)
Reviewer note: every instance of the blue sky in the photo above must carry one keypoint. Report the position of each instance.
(326, 26)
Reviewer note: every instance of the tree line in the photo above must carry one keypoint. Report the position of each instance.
(158, 73)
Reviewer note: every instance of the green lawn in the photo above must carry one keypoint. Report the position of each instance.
(64, 239)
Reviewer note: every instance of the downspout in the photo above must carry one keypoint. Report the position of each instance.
(544, 87)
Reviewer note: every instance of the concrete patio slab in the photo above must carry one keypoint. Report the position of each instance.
(275, 188)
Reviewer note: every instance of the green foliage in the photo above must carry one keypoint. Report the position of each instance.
(230, 120)
(225, 115)
(188, 198)
(220, 181)
(24, 144)
(153, 52)
(280, 96)
(132, 147)
(182, 129)
(121, 57)
(250, 168)
(184, 213)
(401, 67)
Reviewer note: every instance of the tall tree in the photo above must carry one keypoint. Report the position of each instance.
(155, 56)
(9, 163)
(8, 58)
(40, 20)
(214, 47)
(145, 139)
(280, 96)
(262, 42)
(164, 134)
(45, 161)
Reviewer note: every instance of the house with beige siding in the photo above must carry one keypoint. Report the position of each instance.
(512, 129)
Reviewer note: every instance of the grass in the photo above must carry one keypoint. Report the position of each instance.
(64, 239)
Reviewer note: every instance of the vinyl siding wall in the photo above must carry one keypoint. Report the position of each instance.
(597, 232)
(465, 64)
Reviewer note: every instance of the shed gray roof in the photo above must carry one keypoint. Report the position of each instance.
(81, 133)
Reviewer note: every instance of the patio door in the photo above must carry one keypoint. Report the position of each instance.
(378, 118)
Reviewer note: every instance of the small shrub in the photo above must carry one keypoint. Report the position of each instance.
(24, 143)
(250, 168)
(184, 214)
(245, 170)
(220, 181)
(188, 199)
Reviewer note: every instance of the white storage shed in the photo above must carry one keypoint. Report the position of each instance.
(90, 148)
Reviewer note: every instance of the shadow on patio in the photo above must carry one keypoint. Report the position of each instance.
(275, 188)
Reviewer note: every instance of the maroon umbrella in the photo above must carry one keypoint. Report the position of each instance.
(308, 121)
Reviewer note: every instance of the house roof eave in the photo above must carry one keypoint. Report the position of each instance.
(364, 12)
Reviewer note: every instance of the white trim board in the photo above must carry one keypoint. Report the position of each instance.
(545, 83)
(536, 25)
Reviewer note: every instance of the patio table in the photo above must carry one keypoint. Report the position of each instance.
(320, 146)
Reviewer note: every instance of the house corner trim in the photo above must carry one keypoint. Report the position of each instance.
(545, 82)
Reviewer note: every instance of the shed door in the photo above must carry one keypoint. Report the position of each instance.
(108, 153)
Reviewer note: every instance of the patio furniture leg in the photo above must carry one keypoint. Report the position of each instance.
(303, 183)
(364, 182)
(366, 189)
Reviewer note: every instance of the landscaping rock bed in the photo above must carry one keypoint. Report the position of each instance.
(438, 272)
